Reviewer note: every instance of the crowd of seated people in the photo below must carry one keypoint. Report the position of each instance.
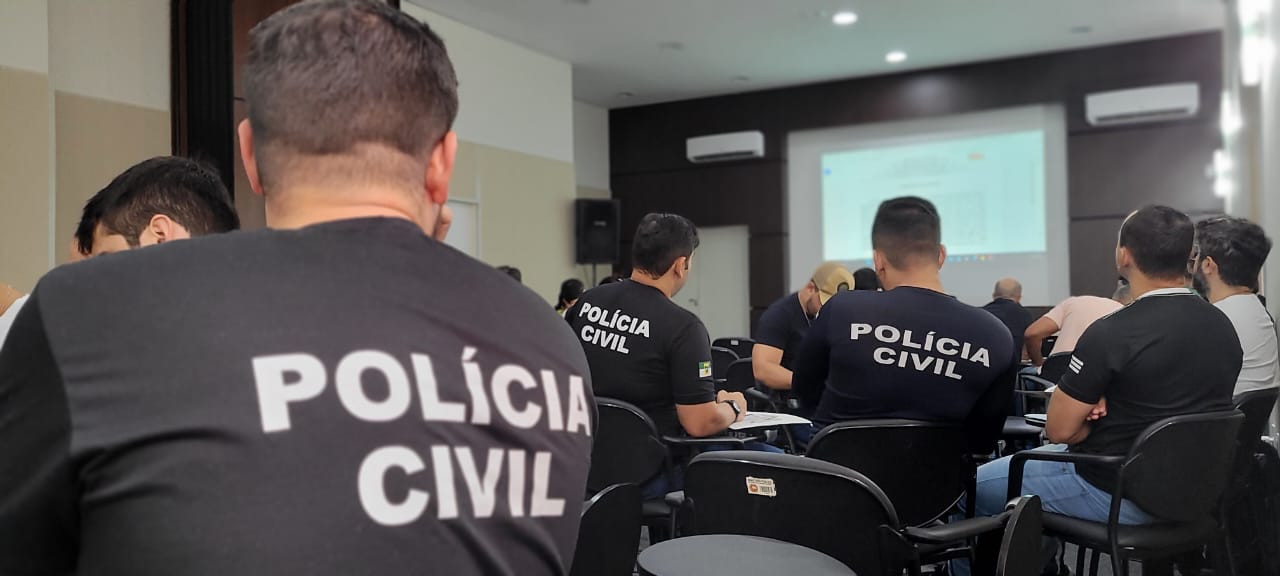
(329, 387)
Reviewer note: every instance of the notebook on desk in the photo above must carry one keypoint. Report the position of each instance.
(766, 420)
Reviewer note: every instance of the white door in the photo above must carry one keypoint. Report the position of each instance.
(717, 290)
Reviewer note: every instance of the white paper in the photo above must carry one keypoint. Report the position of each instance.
(766, 419)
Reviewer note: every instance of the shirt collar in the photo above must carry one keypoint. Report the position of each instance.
(1167, 292)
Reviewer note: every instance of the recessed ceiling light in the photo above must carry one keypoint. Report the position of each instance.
(895, 57)
(844, 18)
(625, 95)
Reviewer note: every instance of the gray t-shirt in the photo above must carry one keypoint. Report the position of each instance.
(1257, 332)
(349, 398)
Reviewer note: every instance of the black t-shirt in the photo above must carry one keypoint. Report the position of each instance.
(348, 398)
(783, 326)
(907, 353)
(1168, 353)
(644, 349)
(1014, 317)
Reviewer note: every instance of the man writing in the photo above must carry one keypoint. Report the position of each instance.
(910, 351)
(320, 397)
(784, 324)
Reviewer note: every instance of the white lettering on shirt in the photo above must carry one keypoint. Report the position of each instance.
(917, 354)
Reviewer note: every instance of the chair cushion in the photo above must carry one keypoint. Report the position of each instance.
(675, 499)
(1163, 536)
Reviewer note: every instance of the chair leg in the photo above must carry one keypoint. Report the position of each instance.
(1223, 563)
(1080, 561)
(1119, 564)
(1094, 556)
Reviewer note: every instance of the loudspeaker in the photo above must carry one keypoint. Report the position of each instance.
(596, 230)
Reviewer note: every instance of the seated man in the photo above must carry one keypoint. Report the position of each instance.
(1167, 353)
(1068, 320)
(644, 349)
(1232, 252)
(1006, 306)
(911, 351)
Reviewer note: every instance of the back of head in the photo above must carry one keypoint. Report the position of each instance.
(660, 240)
(570, 290)
(183, 189)
(1160, 241)
(1008, 288)
(1239, 248)
(865, 279)
(353, 79)
(90, 215)
(908, 232)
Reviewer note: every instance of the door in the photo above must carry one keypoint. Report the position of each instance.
(717, 290)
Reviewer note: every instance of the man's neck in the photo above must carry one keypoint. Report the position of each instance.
(1219, 291)
(302, 207)
(927, 279)
(661, 284)
(1140, 285)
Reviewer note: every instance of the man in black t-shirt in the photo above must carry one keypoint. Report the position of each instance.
(1006, 306)
(784, 324)
(317, 398)
(911, 351)
(1168, 353)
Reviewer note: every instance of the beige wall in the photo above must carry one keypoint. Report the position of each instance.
(24, 177)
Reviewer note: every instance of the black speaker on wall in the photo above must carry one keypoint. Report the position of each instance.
(596, 230)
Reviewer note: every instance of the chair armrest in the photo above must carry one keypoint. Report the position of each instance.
(1034, 394)
(956, 531)
(1042, 382)
(710, 440)
(1019, 461)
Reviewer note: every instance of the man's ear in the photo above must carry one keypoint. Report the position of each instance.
(248, 156)
(1208, 266)
(942, 255)
(681, 266)
(879, 261)
(163, 229)
(440, 168)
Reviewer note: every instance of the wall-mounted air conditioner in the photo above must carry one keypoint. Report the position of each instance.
(721, 147)
(1139, 105)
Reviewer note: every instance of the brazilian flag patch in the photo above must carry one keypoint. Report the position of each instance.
(704, 369)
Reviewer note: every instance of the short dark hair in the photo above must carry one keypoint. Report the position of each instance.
(90, 215)
(905, 229)
(1161, 241)
(513, 272)
(660, 240)
(327, 75)
(570, 290)
(1239, 248)
(183, 189)
(865, 279)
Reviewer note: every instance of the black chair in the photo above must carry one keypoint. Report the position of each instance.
(923, 467)
(1055, 366)
(609, 533)
(1176, 471)
(1257, 406)
(1020, 548)
(1046, 345)
(816, 504)
(741, 377)
(740, 346)
(627, 449)
(721, 358)
(1244, 520)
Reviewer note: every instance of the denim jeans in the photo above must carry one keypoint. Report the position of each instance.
(661, 485)
(1060, 489)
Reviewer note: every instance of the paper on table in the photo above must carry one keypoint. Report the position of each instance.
(766, 419)
(1037, 418)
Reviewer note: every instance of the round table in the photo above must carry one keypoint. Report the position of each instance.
(735, 555)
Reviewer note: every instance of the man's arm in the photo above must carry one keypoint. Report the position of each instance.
(39, 526)
(986, 421)
(689, 363)
(1035, 335)
(766, 363)
(812, 363)
(1079, 398)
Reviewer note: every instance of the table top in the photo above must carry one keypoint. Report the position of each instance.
(736, 555)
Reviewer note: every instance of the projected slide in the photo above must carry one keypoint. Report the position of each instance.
(989, 191)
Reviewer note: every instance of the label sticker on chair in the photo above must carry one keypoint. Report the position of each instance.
(761, 487)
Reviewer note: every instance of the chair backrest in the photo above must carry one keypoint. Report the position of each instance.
(804, 501)
(1055, 366)
(609, 533)
(1179, 466)
(1021, 547)
(923, 467)
(721, 358)
(740, 346)
(1257, 406)
(626, 446)
(1046, 346)
(740, 377)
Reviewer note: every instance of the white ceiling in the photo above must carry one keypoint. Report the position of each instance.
(663, 50)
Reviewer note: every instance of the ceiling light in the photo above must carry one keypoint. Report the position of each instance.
(895, 57)
(625, 95)
(844, 18)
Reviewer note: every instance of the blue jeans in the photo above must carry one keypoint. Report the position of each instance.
(661, 485)
(1060, 489)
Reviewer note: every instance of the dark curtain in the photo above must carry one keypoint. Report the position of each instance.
(202, 115)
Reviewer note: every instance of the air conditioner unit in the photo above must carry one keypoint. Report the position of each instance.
(1139, 105)
(721, 147)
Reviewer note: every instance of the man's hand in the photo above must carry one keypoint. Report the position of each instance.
(1099, 410)
(738, 398)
